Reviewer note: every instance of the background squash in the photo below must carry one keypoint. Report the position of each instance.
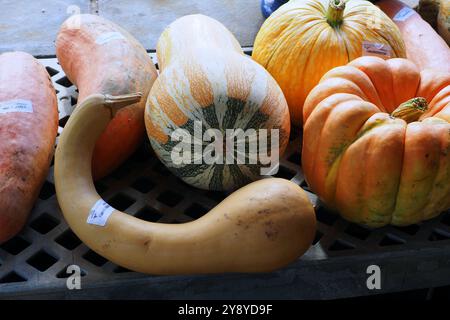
(428, 10)
(259, 228)
(424, 46)
(100, 57)
(304, 39)
(376, 142)
(206, 77)
(27, 139)
(443, 22)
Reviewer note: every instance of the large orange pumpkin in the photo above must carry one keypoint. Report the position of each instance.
(304, 39)
(377, 141)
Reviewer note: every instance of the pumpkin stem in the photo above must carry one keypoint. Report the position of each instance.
(335, 13)
(411, 110)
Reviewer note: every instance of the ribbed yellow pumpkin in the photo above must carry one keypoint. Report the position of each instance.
(304, 39)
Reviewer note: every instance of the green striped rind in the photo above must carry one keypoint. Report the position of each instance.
(238, 114)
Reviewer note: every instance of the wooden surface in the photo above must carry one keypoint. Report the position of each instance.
(32, 26)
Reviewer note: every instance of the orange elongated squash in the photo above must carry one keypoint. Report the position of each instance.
(98, 56)
(28, 128)
(423, 45)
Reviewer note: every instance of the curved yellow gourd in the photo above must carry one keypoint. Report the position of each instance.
(262, 226)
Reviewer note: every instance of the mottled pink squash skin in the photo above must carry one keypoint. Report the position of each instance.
(26, 139)
(424, 46)
(115, 67)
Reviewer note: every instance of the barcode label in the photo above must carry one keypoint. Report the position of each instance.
(100, 213)
(403, 14)
(109, 36)
(376, 49)
(17, 105)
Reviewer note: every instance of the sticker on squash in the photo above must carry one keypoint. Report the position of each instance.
(100, 213)
(376, 49)
(403, 14)
(109, 36)
(17, 105)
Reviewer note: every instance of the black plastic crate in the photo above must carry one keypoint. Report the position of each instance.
(34, 263)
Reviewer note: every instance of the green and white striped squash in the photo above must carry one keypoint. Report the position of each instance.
(205, 76)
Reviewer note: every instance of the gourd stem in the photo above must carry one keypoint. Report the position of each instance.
(411, 110)
(335, 13)
(124, 100)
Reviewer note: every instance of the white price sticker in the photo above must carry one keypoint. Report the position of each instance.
(17, 105)
(109, 36)
(403, 14)
(376, 49)
(100, 213)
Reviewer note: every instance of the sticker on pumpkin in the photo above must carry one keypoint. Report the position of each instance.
(376, 49)
(403, 14)
(100, 213)
(109, 36)
(18, 105)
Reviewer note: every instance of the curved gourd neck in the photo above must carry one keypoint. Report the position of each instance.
(86, 124)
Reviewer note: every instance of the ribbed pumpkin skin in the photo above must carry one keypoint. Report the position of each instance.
(115, 67)
(298, 46)
(371, 167)
(206, 77)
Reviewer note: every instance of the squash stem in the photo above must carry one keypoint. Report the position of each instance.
(411, 110)
(335, 13)
(123, 100)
